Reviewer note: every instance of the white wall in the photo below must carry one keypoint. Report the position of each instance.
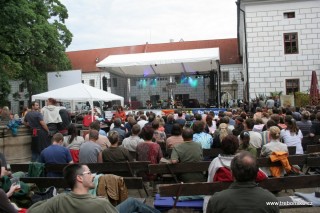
(268, 66)
(14, 104)
(61, 79)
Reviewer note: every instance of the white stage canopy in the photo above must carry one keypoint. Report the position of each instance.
(78, 93)
(163, 63)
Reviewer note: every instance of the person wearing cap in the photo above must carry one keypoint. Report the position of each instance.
(238, 127)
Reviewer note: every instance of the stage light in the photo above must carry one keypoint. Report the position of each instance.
(193, 82)
(153, 82)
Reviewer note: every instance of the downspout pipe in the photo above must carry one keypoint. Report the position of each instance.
(245, 42)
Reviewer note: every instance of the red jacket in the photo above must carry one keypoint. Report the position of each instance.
(87, 120)
(224, 175)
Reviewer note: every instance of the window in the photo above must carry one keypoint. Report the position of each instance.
(91, 82)
(21, 105)
(292, 86)
(289, 15)
(225, 76)
(177, 79)
(290, 43)
(21, 87)
(114, 82)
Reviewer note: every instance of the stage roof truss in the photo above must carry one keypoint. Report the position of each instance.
(187, 62)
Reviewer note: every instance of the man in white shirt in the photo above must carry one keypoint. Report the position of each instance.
(143, 121)
(131, 142)
(255, 137)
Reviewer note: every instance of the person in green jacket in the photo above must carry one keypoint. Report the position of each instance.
(245, 143)
(80, 180)
(243, 195)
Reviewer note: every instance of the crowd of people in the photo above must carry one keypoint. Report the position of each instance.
(145, 136)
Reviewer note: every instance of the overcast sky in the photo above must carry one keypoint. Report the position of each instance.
(113, 23)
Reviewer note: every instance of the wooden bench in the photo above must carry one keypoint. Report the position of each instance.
(211, 153)
(59, 182)
(128, 169)
(271, 184)
(313, 161)
(291, 150)
(293, 160)
(124, 169)
(131, 168)
(203, 166)
(313, 148)
(208, 154)
(174, 169)
(309, 141)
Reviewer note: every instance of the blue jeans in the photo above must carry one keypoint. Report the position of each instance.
(132, 205)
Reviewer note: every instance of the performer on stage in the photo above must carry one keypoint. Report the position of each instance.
(148, 104)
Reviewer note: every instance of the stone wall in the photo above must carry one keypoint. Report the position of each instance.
(16, 149)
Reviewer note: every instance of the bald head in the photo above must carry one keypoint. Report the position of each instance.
(244, 167)
(187, 134)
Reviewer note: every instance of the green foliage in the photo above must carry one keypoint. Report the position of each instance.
(275, 93)
(33, 39)
(301, 99)
(4, 89)
(16, 96)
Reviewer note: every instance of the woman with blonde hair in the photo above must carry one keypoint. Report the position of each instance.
(274, 145)
(223, 132)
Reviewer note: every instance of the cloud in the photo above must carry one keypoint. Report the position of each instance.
(111, 23)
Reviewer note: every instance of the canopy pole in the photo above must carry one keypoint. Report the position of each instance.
(219, 83)
(171, 93)
(91, 103)
(129, 92)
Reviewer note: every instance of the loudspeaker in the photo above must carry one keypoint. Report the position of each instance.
(104, 83)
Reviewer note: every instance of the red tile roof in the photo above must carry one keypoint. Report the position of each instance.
(86, 60)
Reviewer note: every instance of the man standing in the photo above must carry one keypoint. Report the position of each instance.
(90, 151)
(80, 179)
(243, 195)
(56, 154)
(188, 151)
(40, 131)
(270, 103)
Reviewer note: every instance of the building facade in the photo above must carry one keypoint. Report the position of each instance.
(279, 41)
(141, 90)
(138, 91)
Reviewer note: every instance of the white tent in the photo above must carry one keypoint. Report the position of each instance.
(163, 63)
(166, 63)
(78, 93)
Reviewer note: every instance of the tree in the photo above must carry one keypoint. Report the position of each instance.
(33, 40)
